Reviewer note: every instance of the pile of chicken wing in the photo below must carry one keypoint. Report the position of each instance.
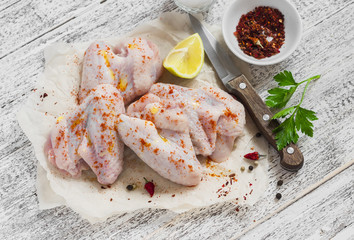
(167, 127)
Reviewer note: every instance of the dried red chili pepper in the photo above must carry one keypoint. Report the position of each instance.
(260, 33)
(150, 187)
(253, 156)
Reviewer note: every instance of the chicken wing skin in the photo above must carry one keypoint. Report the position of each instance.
(132, 66)
(87, 137)
(214, 118)
(57, 148)
(169, 152)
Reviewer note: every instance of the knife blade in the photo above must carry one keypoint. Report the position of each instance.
(237, 84)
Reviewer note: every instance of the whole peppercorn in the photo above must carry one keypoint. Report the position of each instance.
(280, 182)
(131, 187)
(256, 163)
(278, 196)
(242, 168)
(250, 168)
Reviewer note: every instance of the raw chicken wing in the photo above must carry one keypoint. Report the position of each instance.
(132, 66)
(87, 137)
(214, 118)
(169, 152)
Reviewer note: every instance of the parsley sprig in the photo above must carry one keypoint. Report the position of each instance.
(300, 119)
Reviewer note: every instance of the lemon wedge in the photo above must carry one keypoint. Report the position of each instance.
(186, 59)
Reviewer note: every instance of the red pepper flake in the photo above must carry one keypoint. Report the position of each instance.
(103, 187)
(237, 209)
(149, 187)
(260, 33)
(253, 156)
(173, 195)
(250, 184)
(251, 191)
(111, 199)
(244, 198)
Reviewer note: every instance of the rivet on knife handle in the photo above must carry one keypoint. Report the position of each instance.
(291, 157)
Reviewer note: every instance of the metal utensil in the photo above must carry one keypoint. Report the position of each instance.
(237, 84)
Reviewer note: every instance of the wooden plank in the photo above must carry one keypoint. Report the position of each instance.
(346, 233)
(331, 144)
(313, 14)
(321, 214)
(8, 4)
(18, 17)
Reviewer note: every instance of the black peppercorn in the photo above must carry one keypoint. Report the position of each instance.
(278, 196)
(250, 168)
(130, 187)
(280, 182)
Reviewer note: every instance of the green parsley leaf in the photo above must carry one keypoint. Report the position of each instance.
(302, 121)
(286, 133)
(285, 79)
(300, 118)
(284, 112)
(279, 97)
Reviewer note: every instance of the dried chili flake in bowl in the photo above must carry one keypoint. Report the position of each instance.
(260, 33)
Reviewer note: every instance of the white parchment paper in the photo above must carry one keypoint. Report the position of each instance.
(56, 95)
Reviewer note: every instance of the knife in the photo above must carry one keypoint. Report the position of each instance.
(237, 84)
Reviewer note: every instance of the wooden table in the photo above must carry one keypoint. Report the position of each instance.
(318, 201)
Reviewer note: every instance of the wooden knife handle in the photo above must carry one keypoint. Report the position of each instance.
(291, 157)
